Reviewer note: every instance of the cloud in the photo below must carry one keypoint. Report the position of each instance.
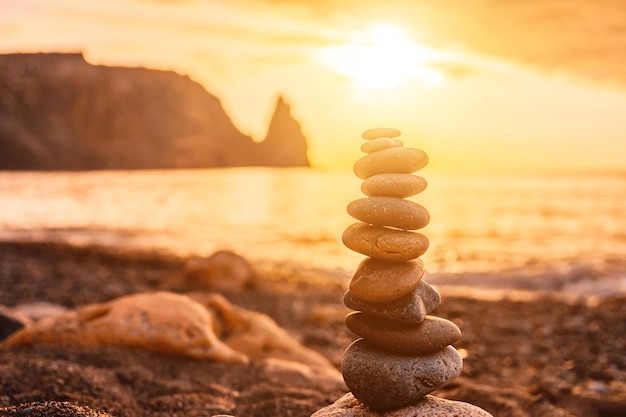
(583, 38)
(580, 38)
(454, 71)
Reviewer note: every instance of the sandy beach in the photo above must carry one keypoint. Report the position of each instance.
(525, 355)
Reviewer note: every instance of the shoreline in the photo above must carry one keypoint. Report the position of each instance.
(578, 285)
(526, 354)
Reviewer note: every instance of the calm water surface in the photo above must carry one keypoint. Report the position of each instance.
(536, 231)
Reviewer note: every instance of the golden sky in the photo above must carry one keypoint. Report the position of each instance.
(529, 85)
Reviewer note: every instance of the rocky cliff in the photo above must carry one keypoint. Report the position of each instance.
(57, 112)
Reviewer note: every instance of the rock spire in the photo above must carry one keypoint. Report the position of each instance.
(285, 144)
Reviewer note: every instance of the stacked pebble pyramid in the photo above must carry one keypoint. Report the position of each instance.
(402, 353)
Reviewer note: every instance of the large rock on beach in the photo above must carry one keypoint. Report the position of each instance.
(35, 311)
(206, 326)
(411, 308)
(384, 381)
(429, 406)
(257, 335)
(384, 243)
(159, 322)
(223, 271)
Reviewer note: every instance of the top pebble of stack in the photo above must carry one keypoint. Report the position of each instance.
(380, 132)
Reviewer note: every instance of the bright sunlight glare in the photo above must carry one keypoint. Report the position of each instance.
(382, 57)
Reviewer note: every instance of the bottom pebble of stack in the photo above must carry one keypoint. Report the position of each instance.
(384, 381)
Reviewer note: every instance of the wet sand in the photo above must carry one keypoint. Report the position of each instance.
(526, 355)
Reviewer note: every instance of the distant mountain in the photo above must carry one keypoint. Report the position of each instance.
(57, 112)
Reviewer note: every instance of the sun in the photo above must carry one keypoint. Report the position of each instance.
(382, 57)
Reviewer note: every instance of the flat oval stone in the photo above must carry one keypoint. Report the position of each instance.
(393, 185)
(384, 381)
(379, 281)
(389, 211)
(380, 132)
(384, 243)
(429, 406)
(429, 336)
(398, 160)
(411, 308)
(381, 143)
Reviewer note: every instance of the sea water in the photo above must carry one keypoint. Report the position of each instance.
(555, 232)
